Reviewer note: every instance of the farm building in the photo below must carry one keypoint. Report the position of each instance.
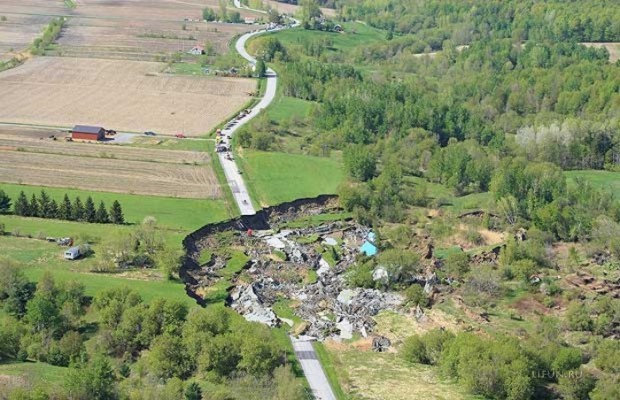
(86, 132)
(197, 50)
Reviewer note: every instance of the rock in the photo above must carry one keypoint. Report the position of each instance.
(346, 296)
(381, 344)
(381, 275)
(301, 328)
(323, 267)
(249, 305)
(346, 329)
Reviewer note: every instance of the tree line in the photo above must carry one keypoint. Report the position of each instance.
(587, 21)
(44, 206)
(160, 349)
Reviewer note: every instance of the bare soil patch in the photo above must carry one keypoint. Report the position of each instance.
(141, 40)
(14, 139)
(120, 95)
(18, 31)
(612, 47)
(109, 175)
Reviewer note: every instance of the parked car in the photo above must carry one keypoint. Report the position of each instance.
(149, 133)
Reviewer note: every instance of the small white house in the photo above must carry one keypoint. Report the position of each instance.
(72, 253)
(197, 50)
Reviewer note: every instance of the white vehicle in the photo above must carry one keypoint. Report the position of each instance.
(72, 253)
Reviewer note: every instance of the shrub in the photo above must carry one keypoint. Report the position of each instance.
(414, 350)
(608, 356)
(415, 295)
(578, 317)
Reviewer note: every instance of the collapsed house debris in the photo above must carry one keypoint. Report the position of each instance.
(280, 257)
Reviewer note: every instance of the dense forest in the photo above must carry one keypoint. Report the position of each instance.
(116, 345)
(520, 88)
(494, 100)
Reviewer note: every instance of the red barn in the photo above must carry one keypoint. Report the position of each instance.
(86, 132)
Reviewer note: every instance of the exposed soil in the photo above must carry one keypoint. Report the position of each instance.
(119, 95)
(110, 175)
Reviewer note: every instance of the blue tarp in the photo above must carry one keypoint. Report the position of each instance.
(369, 249)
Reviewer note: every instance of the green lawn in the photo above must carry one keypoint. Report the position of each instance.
(276, 177)
(607, 180)
(355, 34)
(39, 374)
(172, 213)
(39, 256)
(188, 68)
(330, 370)
(286, 108)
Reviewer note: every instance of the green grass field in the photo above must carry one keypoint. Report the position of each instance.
(172, 213)
(355, 34)
(275, 177)
(39, 256)
(39, 374)
(286, 108)
(607, 180)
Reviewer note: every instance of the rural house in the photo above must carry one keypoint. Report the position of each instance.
(197, 50)
(86, 132)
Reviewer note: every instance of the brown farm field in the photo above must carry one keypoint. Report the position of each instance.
(120, 29)
(25, 159)
(18, 32)
(121, 95)
(38, 141)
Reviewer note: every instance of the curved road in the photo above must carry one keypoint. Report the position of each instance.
(231, 171)
(304, 351)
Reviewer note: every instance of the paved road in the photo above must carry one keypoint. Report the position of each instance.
(303, 348)
(231, 171)
(312, 369)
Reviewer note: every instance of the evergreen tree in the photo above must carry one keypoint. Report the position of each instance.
(5, 202)
(44, 205)
(53, 209)
(193, 392)
(116, 213)
(22, 207)
(34, 210)
(102, 216)
(77, 212)
(261, 68)
(64, 212)
(90, 214)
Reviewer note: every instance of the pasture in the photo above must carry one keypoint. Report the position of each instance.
(606, 180)
(38, 256)
(121, 95)
(183, 215)
(275, 177)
